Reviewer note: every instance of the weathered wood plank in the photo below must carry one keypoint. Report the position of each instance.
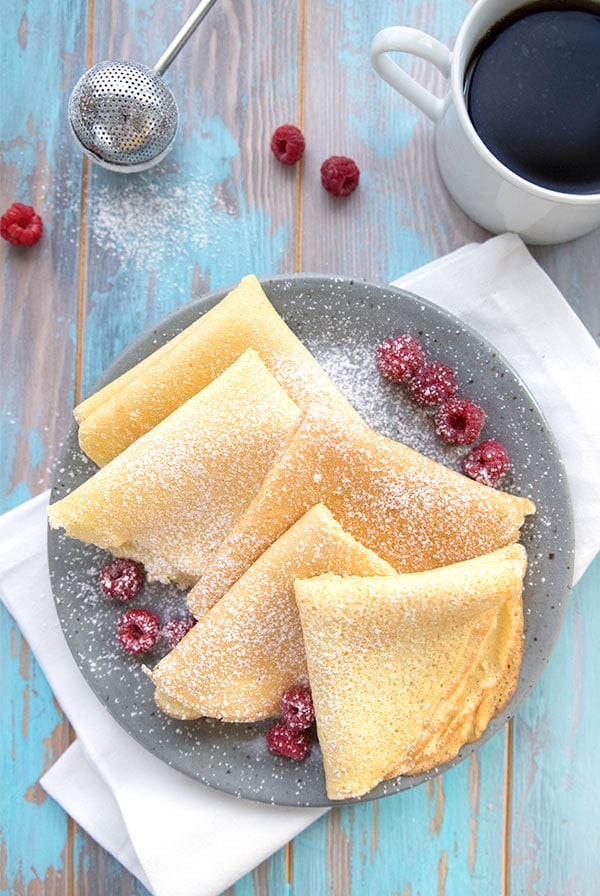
(38, 166)
(395, 221)
(555, 845)
(33, 733)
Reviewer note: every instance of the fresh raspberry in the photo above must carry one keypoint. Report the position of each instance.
(339, 175)
(139, 630)
(297, 710)
(283, 741)
(21, 226)
(459, 421)
(399, 357)
(432, 384)
(121, 578)
(175, 629)
(287, 144)
(487, 463)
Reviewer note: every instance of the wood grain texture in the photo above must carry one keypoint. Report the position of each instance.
(523, 815)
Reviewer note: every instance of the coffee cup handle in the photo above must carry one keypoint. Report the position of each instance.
(410, 40)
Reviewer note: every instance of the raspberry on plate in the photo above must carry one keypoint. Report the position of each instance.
(283, 741)
(340, 175)
(488, 462)
(459, 421)
(21, 226)
(399, 357)
(297, 710)
(139, 630)
(121, 578)
(287, 144)
(432, 384)
(175, 629)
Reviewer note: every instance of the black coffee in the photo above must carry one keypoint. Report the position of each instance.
(533, 94)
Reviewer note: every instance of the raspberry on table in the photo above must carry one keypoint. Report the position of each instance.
(139, 630)
(297, 710)
(21, 226)
(175, 629)
(399, 357)
(287, 144)
(488, 462)
(283, 741)
(432, 384)
(121, 578)
(340, 175)
(459, 421)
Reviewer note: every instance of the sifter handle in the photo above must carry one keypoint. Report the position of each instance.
(183, 35)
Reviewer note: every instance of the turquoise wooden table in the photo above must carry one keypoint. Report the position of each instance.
(522, 816)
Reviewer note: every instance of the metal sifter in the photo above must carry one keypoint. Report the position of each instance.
(123, 114)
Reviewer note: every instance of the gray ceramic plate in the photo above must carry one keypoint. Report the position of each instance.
(341, 322)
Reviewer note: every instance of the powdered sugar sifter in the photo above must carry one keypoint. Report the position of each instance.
(123, 114)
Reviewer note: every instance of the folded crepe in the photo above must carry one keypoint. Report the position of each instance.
(394, 660)
(118, 414)
(412, 511)
(240, 658)
(169, 498)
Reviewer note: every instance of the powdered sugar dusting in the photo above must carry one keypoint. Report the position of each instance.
(123, 218)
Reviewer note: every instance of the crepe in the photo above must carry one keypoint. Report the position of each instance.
(390, 661)
(239, 658)
(168, 499)
(118, 414)
(412, 511)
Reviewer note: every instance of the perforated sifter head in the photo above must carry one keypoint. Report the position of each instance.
(123, 114)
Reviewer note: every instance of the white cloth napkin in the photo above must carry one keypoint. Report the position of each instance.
(177, 836)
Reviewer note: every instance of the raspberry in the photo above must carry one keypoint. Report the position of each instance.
(487, 463)
(21, 226)
(340, 175)
(459, 421)
(297, 711)
(175, 629)
(287, 144)
(432, 384)
(399, 357)
(139, 630)
(121, 578)
(282, 741)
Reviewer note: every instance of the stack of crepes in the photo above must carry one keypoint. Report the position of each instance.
(320, 552)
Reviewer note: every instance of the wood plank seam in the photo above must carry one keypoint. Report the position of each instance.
(301, 92)
(81, 280)
(289, 847)
(78, 373)
(508, 782)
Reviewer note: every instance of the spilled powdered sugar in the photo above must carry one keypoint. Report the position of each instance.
(122, 219)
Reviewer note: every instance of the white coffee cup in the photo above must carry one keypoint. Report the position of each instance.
(489, 192)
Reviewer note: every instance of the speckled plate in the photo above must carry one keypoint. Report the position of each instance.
(340, 321)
